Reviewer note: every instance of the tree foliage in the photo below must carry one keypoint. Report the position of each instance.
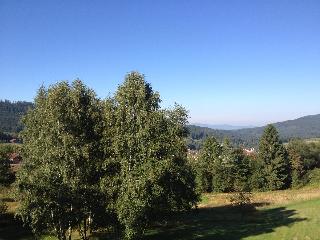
(6, 176)
(274, 161)
(3, 207)
(304, 128)
(208, 162)
(149, 174)
(297, 168)
(58, 184)
(222, 168)
(117, 163)
(304, 157)
(10, 115)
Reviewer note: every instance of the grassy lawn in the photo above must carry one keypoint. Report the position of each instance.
(11, 228)
(290, 214)
(293, 221)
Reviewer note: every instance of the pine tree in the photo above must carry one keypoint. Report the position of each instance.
(242, 171)
(296, 164)
(273, 159)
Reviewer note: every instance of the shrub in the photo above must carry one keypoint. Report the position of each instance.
(3, 207)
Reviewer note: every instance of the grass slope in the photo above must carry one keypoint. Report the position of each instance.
(304, 223)
(289, 214)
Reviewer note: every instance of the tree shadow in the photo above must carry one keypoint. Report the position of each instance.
(12, 228)
(8, 199)
(224, 222)
(220, 223)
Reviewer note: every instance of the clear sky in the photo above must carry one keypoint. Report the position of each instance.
(228, 62)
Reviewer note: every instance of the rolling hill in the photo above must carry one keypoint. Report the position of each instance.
(304, 127)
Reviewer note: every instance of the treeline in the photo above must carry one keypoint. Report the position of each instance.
(118, 164)
(222, 168)
(6, 175)
(10, 115)
(4, 138)
(304, 127)
(197, 136)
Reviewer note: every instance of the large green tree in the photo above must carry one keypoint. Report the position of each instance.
(58, 184)
(148, 175)
(274, 160)
(296, 160)
(222, 168)
(89, 163)
(208, 162)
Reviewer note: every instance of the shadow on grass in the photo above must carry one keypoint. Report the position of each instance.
(225, 222)
(11, 228)
(8, 199)
(220, 223)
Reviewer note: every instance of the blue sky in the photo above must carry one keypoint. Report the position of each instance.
(228, 62)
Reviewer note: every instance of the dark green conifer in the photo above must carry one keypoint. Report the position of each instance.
(274, 161)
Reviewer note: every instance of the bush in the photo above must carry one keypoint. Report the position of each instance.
(241, 199)
(3, 207)
(314, 177)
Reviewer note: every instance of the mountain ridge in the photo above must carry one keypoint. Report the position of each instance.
(222, 126)
(303, 127)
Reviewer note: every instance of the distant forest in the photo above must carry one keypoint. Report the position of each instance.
(304, 127)
(10, 116)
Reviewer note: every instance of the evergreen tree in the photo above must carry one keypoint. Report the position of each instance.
(10, 116)
(257, 178)
(208, 161)
(296, 163)
(242, 171)
(273, 159)
(5, 173)
(58, 184)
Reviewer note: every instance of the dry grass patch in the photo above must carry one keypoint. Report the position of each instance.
(264, 198)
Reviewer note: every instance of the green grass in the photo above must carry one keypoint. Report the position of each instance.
(307, 226)
(289, 214)
(295, 221)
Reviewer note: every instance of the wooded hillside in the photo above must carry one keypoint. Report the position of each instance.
(304, 127)
(10, 115)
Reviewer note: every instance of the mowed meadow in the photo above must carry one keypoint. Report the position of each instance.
(288, 214)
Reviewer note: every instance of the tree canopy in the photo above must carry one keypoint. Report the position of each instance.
(58, 183)
(274, 161)
(120, 162)
(149, 155)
